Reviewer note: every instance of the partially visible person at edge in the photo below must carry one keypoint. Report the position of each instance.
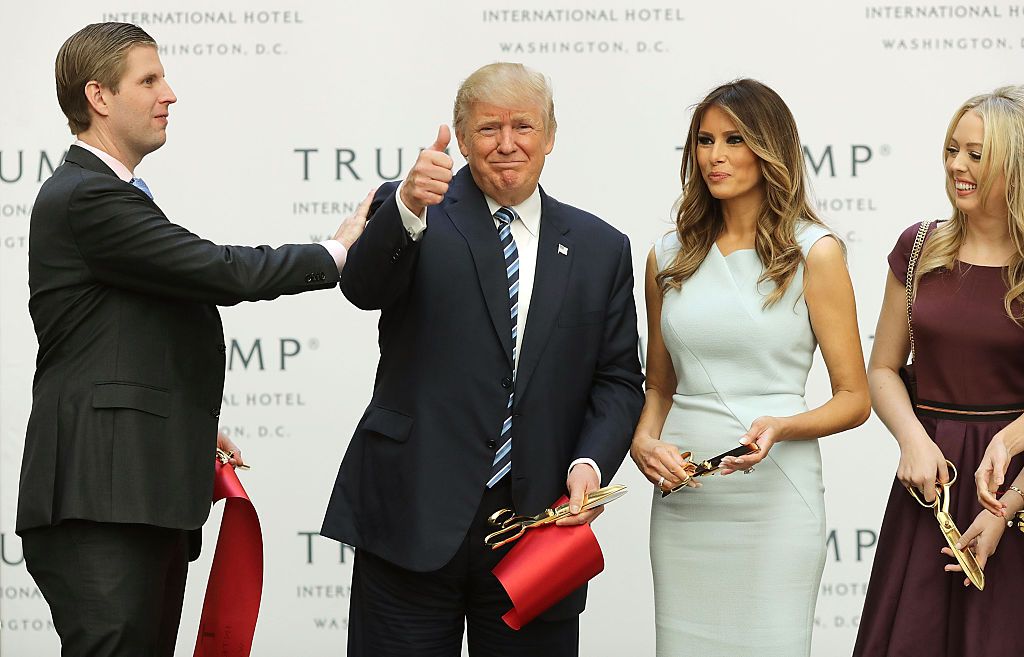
(117, 473)
(968, 336)
(739, 296)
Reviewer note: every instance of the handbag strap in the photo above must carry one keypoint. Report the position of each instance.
(915, 253)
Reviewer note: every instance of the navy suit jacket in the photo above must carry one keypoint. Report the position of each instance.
(414, 473)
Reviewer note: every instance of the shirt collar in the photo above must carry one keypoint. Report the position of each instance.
(120, 170)
(528, 210)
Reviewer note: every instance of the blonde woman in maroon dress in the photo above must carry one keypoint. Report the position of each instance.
(968, 322)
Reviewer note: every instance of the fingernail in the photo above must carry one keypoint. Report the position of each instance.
(574, 508)
(745, 440)
(959, 547)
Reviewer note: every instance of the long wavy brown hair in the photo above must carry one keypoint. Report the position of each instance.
(1002, 151)
(767, 127)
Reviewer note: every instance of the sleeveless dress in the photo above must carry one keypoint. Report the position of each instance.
(969, 355)
(737, 562)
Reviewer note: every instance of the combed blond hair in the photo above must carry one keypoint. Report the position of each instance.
(505, 84)
(1002, 151)
(96, 52)
(769, 130)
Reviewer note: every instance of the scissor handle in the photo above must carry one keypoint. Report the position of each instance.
(953, 468)
(501, 517)
(940, 492)
(505, 534)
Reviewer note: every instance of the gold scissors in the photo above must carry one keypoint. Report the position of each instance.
(712, 465)
(511, 526)
(224, 457)
(968, 562)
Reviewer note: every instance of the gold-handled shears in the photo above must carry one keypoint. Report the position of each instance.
(968, 562)
(712, 465)
(511, 526)
(225, 457)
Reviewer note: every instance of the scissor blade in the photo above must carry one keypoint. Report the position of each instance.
(715, 462)
(594, 499)
(602, 496)
(964, 557)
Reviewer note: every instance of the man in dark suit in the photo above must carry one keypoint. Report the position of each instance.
(118, 467)
(508, 376)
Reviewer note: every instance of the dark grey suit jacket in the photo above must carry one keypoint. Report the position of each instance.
(130, 369)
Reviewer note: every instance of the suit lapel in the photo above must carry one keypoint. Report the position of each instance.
(471, 217)
(554, 262)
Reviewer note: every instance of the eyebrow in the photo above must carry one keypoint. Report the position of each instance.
(953, 140)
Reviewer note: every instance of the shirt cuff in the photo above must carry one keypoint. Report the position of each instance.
(414, 226)
(338, 252)
(589, 462)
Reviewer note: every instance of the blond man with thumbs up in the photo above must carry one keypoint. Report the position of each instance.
(508, 377)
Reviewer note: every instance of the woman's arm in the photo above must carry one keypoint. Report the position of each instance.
(833, 314)
(921, 460)
(656, 459)
(1007, 443)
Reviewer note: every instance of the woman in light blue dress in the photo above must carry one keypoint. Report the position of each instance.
(738, 298)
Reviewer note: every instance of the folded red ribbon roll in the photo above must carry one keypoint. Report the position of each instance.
(233, 592)
(547, 564)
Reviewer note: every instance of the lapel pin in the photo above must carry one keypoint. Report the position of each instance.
(563, 249)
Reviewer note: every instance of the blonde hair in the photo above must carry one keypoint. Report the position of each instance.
(1002, 151)
(96, 52)
(506, 84)
(768, 129)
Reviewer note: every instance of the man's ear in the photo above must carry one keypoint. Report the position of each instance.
(463, 146)
(96, 96)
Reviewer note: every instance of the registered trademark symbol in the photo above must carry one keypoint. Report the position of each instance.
(314, 343)
(886, 149)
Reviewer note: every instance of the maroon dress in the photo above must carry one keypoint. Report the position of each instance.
(969, 356)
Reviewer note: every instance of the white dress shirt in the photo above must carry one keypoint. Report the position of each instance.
(526, 232)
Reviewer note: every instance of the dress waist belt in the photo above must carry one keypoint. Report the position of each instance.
(969, 413)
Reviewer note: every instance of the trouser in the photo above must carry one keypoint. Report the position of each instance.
(114, 590)
(396, 612)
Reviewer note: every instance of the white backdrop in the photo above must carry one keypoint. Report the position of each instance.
(290, 110)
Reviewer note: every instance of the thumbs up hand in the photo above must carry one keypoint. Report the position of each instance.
(427, 182)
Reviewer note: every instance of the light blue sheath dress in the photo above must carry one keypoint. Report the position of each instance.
(737, 563)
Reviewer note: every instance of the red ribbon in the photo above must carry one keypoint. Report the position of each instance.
(233, 592)
(547, 564)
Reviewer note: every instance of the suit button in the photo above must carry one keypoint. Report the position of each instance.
(222, 348)
(215, 412)
(309, 278)
(506, 383)
(492, 443)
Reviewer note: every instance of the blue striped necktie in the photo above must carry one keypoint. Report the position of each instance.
(502, 463)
